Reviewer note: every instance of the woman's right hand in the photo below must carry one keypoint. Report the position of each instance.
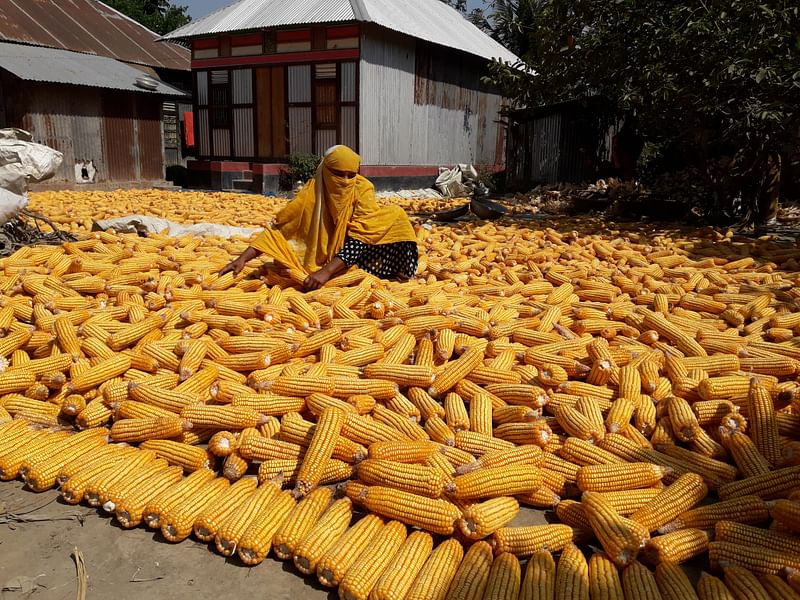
(235, 266)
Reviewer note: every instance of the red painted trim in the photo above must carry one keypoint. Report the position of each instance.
(342, 32)
(205, 43)
(398, 171)
(268, 169)
(289, 57)
(228, 166)
(247, 40)
(297, 35)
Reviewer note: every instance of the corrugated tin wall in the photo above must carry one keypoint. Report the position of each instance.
(534, 151)
(120, 132)
(55, 120)
(545, 136)
(563, 143)
(242, 93)
(299, 92)
(118, 135)
(450, 120)
(150, 147)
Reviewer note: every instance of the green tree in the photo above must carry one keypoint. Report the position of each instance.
(459, 5)
(509, 23)
(715, 82)
(160, 16)
(476, 16)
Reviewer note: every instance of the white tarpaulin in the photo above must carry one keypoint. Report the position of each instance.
(22, 161)
(143, 225)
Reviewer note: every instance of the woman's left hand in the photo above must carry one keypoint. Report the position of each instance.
(316, 280)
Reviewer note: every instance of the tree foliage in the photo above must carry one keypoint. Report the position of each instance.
(509, 23)
(710, 78)
(160, 16)
(476, 16)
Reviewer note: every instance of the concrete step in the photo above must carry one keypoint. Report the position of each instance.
(243, 184)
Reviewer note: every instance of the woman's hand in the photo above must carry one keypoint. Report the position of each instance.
(316, 280)
(235, 266)
(321, 277)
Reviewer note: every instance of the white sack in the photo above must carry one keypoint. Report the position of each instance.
(22, 161)
(143, 225)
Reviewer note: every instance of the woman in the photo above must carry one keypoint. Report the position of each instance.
(334, 222)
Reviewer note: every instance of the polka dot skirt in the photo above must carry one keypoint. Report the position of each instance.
(387, 261)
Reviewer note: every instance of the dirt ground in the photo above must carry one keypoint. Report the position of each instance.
(135, 564)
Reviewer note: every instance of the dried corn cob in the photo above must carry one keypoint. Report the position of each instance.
(497, 481)
(478, 521)
(177, 522)
(436, 575)
(752, 558)
(744, 509)
(367, 569)
(398, 577)
(687, 491)
(523, 541)
(162, 503)
(747, 535)
(138, 430)
(214, 514)
(762, 423)
(621, 538)
(676, 547)
(572, 576)
(639, 583)
(334, 564)
(472, 576)
(613, 477)
(256, 541)
(189, 458)
(322, 536)
(415, 479)
(604, 582)
(300, 521)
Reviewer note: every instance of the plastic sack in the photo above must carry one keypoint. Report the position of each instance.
(22, 161)
(460, 181)
(142, 225)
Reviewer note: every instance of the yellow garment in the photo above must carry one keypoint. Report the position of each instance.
(328, 209)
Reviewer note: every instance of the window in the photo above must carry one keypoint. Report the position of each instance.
(322, 106)
(225, 113)
(220, 100)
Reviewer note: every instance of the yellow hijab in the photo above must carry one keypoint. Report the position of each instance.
(328, 209)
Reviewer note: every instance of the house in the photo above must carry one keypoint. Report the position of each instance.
(399, 82)
(92, 83)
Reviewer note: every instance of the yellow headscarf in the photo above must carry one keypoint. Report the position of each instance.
(328, 209)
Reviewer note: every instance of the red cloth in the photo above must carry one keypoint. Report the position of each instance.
(188, 129)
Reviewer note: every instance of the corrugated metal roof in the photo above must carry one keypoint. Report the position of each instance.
(434, 21)
(87, 26)
(259, 14)
(36, 63)
(429, 20)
